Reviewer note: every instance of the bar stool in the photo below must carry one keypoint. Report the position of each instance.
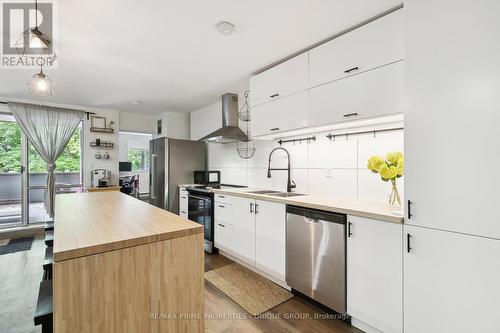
(47, 264)
(44, 307)
(49, 238)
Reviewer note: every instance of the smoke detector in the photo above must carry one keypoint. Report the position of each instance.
(225, 28)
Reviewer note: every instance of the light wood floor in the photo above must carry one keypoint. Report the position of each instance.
(22, 272)
(295, 315)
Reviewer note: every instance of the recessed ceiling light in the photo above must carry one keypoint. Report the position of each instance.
(135, 102)
(225, 28)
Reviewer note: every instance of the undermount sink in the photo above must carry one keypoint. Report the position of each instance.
(264, 192)
(286, 194)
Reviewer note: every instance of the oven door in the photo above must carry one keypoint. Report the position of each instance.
(200, 209)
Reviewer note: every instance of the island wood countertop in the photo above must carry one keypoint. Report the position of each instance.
(368, 209)
(91, 223)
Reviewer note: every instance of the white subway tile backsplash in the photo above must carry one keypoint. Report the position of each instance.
(236, 176)
(216, 156)
(381, 144)
(334, 168)
(340, 153)
(299, 176)
(339, 183)
(257, 177)
(372, 188)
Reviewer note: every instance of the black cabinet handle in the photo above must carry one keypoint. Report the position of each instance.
(256, 209)
(221, 196)
(220, 206)
(183, 212)
(349, 233)
(184, 197)
(348, 71)
(221, 225)
(350, 115)
(408, 247)
(409, 209)
(274, 95)
(251, 208)
(275, 129)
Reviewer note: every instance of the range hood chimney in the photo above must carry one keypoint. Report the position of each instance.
(229, 131)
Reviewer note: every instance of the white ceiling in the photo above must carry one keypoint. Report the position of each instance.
(167, 53)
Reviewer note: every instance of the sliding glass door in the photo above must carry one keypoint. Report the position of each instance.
(68, 177)
(23, 175)
(11, 172)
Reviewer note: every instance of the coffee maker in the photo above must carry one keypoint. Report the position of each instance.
(100, 178)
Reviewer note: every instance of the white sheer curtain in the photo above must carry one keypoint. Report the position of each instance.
(49, 131)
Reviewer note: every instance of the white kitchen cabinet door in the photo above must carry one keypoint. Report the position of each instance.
(244, 229)
(280, 81)
(375, 273)
(270, 238)
(183, 203)
(223, 236)
(451, 282)
(281, 115)
(375, 44)
(376, 92)
(451, 140)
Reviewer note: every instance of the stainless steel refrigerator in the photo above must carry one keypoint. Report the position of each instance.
(173, 162)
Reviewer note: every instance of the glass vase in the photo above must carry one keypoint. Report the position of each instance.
(394, 198)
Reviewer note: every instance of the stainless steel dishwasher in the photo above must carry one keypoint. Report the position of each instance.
(316, 255)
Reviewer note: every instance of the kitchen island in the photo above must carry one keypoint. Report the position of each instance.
(122, 265)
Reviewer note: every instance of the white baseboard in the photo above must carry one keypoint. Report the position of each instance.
(363, 326)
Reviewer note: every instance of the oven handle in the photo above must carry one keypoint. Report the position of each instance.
(199, 198)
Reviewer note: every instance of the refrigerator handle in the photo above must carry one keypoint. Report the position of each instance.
(153, 176)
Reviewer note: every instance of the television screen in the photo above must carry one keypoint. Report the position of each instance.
(125, 166)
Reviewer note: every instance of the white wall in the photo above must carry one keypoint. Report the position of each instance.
(175, 125)
(90, 162)
(336, 169)
(137, 122)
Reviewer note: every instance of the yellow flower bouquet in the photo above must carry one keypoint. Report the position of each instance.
(390, 169)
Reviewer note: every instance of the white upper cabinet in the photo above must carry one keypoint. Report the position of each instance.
(375, 273)
(280, 81)
(452, 116)
(375, 44)
(281, 115)
(270, 238)
(376, 92)
(448, 279)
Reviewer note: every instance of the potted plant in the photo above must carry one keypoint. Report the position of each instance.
(390, 169)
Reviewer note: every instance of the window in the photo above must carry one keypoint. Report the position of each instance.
(134, 147)
(139, 159)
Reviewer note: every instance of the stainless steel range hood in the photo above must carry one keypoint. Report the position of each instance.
(229, 131)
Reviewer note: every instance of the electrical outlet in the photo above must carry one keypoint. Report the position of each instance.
(329, 173)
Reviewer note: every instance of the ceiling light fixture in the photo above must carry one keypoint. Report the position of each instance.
(225, 28)
(35, 40)
(41, 85)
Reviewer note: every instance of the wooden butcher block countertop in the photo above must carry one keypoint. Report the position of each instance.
(91, 223)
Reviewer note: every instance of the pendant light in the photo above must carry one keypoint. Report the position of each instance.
(35, 40)
(41, 85)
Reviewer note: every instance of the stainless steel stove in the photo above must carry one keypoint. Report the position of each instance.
(201, 209)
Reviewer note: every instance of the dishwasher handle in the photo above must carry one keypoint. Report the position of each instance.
(317, 214)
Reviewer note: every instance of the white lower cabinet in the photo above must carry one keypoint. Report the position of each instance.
(451, 282)
(375, 273)
(183, 203)
(256, 231)
(270, 238)
(244, 229)
(223, 236)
